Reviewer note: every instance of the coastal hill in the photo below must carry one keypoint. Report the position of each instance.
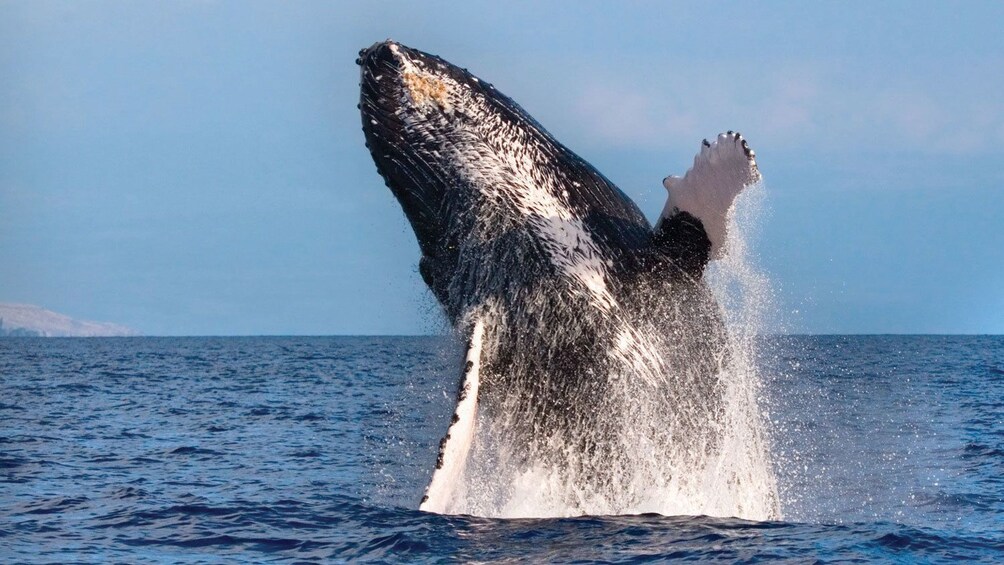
(27, 320)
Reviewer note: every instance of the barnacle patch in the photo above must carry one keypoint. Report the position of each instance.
(425, 89)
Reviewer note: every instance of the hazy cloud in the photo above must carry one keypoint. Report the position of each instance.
(797, 107)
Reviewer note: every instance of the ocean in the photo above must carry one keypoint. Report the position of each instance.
(300, 449)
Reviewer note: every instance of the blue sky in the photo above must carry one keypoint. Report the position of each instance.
(197, 167)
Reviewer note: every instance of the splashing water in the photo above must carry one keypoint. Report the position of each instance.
(665, 419)
(747, 298)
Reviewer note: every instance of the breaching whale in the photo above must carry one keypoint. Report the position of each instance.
(569, 301)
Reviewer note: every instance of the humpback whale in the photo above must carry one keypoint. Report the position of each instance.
(570, 302)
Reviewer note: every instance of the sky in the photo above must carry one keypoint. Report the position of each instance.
(197, 168)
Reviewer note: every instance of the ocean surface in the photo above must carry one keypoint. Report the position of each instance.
(275, 449)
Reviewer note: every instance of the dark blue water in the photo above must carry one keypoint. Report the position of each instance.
(293, 449)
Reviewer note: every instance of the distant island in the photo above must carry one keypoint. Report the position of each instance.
(25, 320)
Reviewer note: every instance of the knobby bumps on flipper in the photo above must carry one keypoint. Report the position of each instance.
(721, 170)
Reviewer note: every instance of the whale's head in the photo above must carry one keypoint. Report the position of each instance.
(436, 133)
(426, 121)
(441, 136)
(411, 100)
(476, 175)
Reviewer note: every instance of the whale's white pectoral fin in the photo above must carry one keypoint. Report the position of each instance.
(720, 172)
(455, 446)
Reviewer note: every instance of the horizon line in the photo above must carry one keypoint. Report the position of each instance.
(780, 334)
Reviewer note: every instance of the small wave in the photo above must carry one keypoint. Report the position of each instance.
(962, 500)
(127, 493)
(202, 510)
(53, 505)
(263, 544)
(921, 542)
(192, 450)
(75, 387)
(12, 462)
(982, 451)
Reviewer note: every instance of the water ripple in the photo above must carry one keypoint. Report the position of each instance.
(317, 449)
